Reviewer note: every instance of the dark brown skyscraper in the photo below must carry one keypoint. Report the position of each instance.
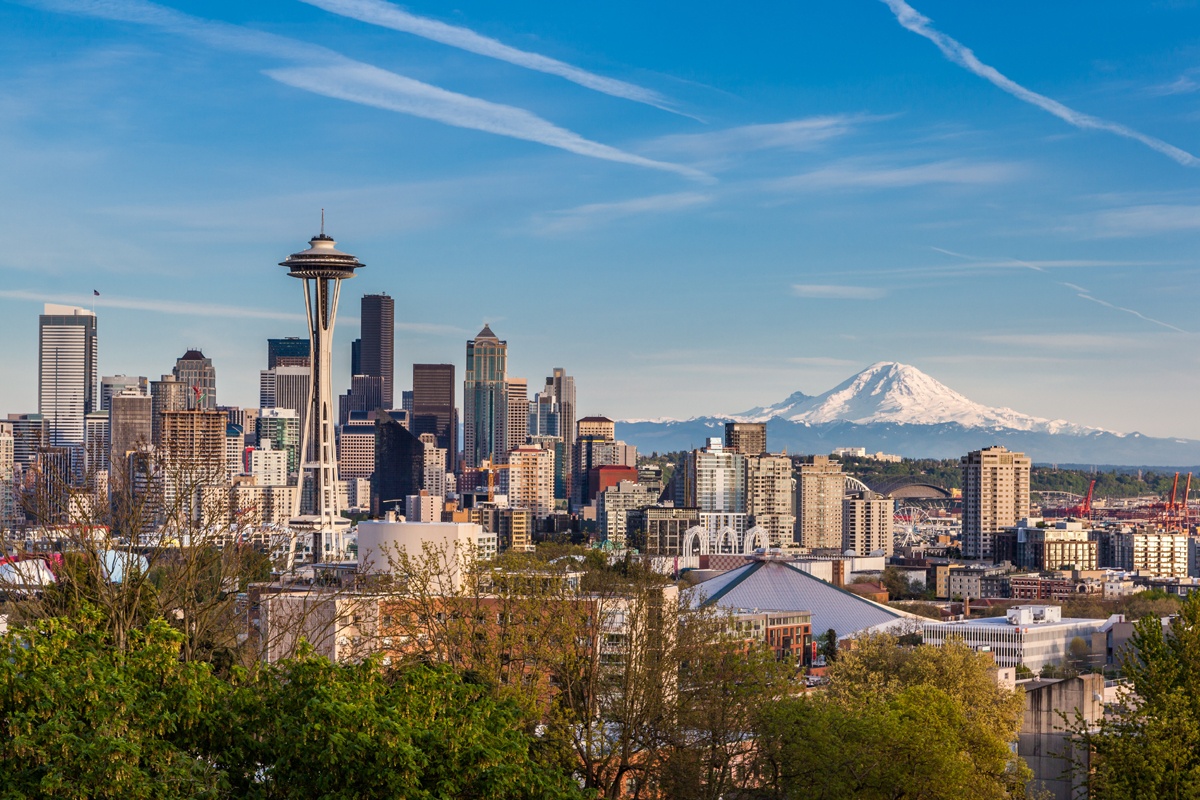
(377, 351)
(433, 406)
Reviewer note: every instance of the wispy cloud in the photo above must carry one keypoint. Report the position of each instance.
(1184, 84)
(580, 217)
(921, 25)
(153, 305)
(372, 86)
(387, 15)
(331, 74)
(863, 176)
(797, 134)
(821, 361)
(1059, 341)
(831, 292)
(1142, 220)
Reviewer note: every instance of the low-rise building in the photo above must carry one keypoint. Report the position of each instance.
(1032, 635)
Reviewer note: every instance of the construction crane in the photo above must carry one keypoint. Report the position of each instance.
(490, 467)
(1085, 510)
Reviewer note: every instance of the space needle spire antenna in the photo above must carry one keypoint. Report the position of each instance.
(322, 267)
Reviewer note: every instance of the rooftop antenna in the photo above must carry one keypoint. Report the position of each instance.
(322, 222)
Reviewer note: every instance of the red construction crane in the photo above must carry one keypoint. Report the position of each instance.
(1085, 510)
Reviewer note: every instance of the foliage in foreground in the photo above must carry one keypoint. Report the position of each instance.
(1151, 746)
(80, 718)
(896, 723)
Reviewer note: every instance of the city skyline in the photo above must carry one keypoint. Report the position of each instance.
(860, 189)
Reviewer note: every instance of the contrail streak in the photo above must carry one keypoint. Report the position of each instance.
(1079, 291)
(387, 15)
(332, 74)
(921, 25)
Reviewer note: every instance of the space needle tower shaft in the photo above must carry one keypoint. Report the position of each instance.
(322, 268)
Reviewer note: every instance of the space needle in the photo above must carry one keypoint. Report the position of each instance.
(322, 267)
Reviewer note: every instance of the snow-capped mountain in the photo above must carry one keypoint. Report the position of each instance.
(897, 408)
(901, 394)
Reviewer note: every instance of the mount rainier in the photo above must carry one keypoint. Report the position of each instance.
(897, 408)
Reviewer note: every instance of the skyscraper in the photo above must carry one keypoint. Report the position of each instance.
(111, 385)
(995, 495)
(377, 354)
(288, 352)
(747, 438)
(561, 387)
(867, 523)
(516, 428)
(771, 496)
(820, 487)
(433, 408)
(67, 353)
(197, 373)
(131, 425)
(366, 394)
(485, 396)
(399, 465)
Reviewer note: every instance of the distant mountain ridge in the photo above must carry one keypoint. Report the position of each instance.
(898, 408)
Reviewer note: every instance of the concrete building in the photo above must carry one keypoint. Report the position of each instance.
(969, 581)
(820, 487)
(747, 438)
(485, 399)
(531, 480)
(514, 530)
(96, 438)
(29, 435)
(995, 496)
(1033, 636)
(614, 505)
(423, 507)
(195, 371)
(356, 447)
(601, 428)
(1147, 551)
(662, 528)
(771, 495)
(1045, 743)
(290, 387)
(67, 355)
(516, 429)
(8, 463)
(193, 457)
(434, 479)
(235, 448)
(867, 519)
(592, 452)
(269, 466)
(1048, 545)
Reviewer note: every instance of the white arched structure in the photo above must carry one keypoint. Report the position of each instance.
(727, 538)
(754, 538)
(695, 541)
(855, 485)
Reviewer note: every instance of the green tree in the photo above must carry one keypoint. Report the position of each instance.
(883, 698)
(1150, 744)
(827, 645)
(82, 718)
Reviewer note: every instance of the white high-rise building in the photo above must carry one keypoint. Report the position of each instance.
(67, 353)
(867, 523)
(434, 480)
(269, 466)
(995, 496)
(771, 496)
(7, 470)
(716, 479)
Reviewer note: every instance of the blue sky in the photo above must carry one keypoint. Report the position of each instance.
(693, 208)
